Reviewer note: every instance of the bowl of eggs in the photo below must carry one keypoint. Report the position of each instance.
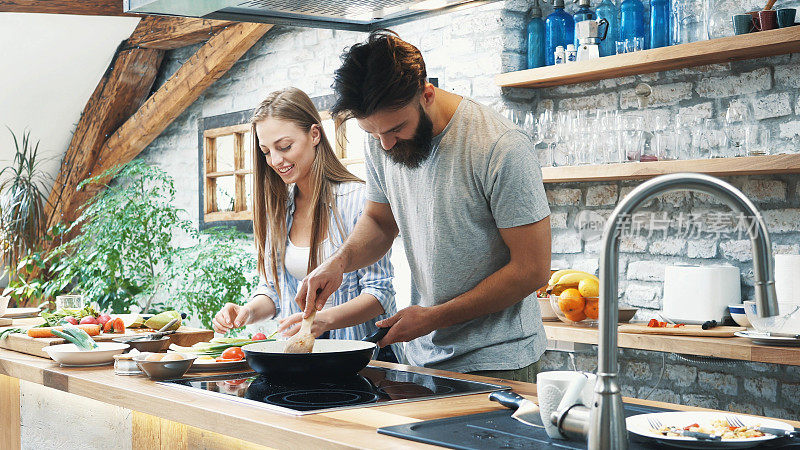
(161, 366)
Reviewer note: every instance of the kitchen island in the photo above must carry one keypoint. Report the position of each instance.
(158, 416)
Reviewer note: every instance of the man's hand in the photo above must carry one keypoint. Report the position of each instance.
(231, 316)
(408, 324)
(320, 284)
(289, 326)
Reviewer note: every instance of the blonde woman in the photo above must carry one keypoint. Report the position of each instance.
(305, 203)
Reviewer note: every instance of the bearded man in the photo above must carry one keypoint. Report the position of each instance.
(463, 188)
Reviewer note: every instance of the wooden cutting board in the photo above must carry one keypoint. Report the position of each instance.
(5, 322)
(686, 330)
(185, 337)
(18, 313)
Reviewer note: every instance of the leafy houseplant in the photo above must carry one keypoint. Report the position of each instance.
(22, 199)
(217, 270)
(124, 239)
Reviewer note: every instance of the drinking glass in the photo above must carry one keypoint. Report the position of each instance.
(73, 302)
(757, 140)
(620, 45)
(546, 128)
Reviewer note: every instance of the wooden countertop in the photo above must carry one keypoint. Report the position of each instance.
(354, 428)
(720, 347)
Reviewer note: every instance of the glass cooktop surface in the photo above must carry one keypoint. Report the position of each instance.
(372, 386)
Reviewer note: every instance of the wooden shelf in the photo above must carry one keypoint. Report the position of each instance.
(720, 347)
(746, 165)
(746, 46)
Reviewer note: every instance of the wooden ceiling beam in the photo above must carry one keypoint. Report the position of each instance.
(167, 33)
(79, 7)
(205, 67)
(120, 92)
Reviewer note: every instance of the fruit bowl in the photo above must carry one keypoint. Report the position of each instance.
(576, 314)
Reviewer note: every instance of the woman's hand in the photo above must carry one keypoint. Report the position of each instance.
(231, 316)
(289, 326)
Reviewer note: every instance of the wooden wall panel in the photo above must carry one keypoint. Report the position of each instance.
(79, 7)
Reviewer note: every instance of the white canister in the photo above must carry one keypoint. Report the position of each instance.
(787, 278)
(695, 294)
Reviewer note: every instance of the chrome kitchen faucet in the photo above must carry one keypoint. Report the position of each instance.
(603, 422)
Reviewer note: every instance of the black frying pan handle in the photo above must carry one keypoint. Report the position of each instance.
(377, 336)
(509, 399)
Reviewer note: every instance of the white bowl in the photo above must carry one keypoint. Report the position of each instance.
(738, 315)
(3, 305)
(548, 315)
(787, 320)
(71, 355)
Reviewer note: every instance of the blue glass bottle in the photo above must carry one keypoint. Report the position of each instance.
(607, 10)
(583, 13)
(659, 23)
(535, 37)
(559, 29)
(631, 24)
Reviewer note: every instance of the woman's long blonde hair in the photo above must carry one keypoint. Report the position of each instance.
(270, 193)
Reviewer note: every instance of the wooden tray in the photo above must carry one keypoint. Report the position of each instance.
(686, 330)
(185, 337)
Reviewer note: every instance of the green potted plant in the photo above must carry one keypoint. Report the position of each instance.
(23, 196)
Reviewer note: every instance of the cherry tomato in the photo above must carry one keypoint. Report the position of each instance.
(233, 353)
(259, 337)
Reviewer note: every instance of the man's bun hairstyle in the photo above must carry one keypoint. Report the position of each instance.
(385, 72)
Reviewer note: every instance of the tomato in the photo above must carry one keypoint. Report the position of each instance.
(235, 382)
(652, 323)
(233, 354)
(119, 325)
(102, 319)
(88, 320)
(259, 337)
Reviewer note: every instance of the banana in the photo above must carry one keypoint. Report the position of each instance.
(558, 274)
(574, 278)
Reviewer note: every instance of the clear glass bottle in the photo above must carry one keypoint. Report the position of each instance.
(608, 10)
(559, 31)
(659, 23)
(631, 20)
(535, 31)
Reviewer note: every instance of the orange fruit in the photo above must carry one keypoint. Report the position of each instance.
(575, 316)
(592, 308)
(571, 301)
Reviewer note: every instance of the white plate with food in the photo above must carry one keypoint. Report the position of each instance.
(208, 364)
(709, 422)
(71, 355)
(760, 338)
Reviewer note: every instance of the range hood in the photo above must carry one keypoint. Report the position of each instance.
(356, 15)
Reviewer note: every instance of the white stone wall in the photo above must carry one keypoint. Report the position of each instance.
(465, 50)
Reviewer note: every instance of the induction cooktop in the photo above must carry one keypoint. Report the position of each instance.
(373, 386)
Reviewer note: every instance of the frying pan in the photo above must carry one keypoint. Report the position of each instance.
(331, 358)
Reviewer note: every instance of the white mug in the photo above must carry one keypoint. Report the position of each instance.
(550, 389)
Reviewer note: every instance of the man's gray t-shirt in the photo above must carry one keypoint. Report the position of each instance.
(482, 175)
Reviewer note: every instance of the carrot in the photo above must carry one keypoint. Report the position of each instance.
(46, 332)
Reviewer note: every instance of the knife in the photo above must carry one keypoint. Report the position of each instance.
(526, 411)
(780, 432)
(695, 434)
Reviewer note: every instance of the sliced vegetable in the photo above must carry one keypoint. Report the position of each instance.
(108, 327)
(259, 337)
(47, 332)
(119, 325)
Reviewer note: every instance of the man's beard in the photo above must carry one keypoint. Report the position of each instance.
(413, 152)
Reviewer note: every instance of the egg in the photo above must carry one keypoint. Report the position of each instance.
(173, 357)
(154, 357)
